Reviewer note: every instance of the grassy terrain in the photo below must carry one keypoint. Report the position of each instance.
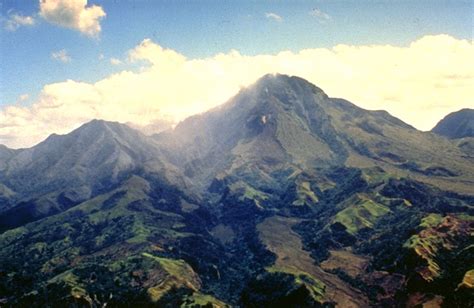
(361, 213)
(305, 196)
(468, 280)
(439, 235)
(203, 300)
(247, 192)
(178, 274)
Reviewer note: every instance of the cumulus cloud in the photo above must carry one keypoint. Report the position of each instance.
(419, 83)
(15, 21)
(73, 14)
(320, 15)
(61, 55)
(274, 16)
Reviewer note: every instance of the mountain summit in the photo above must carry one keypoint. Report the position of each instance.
(65, 170)
(280, 197)
(279, 119)
(283, 123)
(95, 153)
(456, 125)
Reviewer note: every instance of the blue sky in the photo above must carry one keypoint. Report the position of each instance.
(151, 63)
(204, 28)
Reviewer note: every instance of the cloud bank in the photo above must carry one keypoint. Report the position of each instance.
(419, 83)
(73, 14)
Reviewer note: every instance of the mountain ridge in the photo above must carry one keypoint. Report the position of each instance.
(77, 166)
(281, 196)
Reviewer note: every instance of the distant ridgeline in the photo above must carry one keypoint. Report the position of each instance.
(282, 197)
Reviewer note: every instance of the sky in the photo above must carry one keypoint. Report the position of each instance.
(151, 63)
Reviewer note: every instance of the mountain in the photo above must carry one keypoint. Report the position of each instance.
(63, 171)
(456, 125)
(284, 122)
(282, 196)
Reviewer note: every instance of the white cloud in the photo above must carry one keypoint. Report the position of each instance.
(419, 83)
(73, 14)
(101, 57)
(320, 15)
(61, 55)
(16, 21)
(115, 61)
(274, 16)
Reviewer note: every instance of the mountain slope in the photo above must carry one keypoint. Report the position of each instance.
(97, 150)
(6, 194)
(103, 246)
(249, 130)
(65, 170)
(456, 125)
(283, 196)
(5, 155)
(286, 123)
